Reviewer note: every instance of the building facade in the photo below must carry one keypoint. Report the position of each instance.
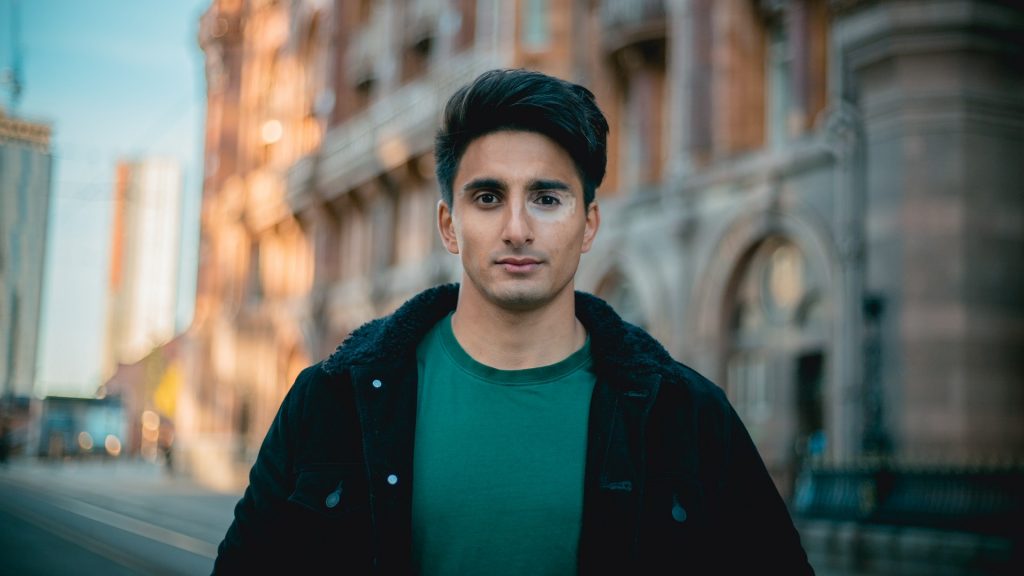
(264, 62)
(814, 203)
(25, 189)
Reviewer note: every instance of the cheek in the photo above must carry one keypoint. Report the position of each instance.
(564, 226)
(471, 237)
(562, 214)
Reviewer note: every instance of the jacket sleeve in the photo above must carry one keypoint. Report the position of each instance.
(255, 530)
(758, 520)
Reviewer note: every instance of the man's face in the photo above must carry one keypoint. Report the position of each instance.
(517, 220)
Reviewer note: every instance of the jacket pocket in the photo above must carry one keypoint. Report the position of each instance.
(676, 500)
(328, 519)
(675, 521)
(332, 491)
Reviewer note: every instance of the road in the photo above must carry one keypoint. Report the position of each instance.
(111, 518)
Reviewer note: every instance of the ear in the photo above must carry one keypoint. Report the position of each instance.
(593, 223)
(446, 226)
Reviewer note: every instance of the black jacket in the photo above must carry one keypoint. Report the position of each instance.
(673, 482)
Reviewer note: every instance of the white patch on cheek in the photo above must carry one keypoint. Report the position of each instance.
(545, 214)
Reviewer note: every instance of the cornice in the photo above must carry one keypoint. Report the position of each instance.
(23, 131)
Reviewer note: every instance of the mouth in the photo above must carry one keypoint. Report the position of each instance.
(519, 265)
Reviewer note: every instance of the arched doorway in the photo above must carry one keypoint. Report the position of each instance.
(776, 354)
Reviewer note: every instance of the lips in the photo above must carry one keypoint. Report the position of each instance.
(519, 265)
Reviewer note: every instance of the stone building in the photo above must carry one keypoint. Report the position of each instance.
(812, 202)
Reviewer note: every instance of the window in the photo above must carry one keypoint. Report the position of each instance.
(318, 102)
(748, 387)
(364, 9)
(414, 232)
(416, 56)
(535, 32)
(778, 64)
(466, 24)
(254, 290)
(795, 56)
(354, 251)
(737, 53)
(363, 91)
(641, 146)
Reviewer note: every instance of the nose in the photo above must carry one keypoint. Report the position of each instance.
(517, 230)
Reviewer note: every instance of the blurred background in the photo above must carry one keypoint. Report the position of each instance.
(815, 203)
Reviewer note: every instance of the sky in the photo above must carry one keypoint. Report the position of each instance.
(115, 79)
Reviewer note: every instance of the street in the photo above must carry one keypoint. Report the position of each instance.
(107, 517)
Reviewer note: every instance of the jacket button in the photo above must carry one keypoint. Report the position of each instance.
(334, 497)
(376, 383)
(392, 479)
(678, 512)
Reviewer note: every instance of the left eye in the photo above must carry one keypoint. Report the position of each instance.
(548, 200)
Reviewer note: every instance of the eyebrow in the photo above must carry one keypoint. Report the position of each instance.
(488, 183)
(547, 185)
(484, 184)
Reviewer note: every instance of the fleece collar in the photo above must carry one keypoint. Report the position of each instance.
(615, 344)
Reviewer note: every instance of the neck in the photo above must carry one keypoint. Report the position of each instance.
(517, 339)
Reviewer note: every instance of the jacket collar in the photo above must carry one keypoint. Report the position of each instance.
(616, 345)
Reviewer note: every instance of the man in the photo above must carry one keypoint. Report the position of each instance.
(510, 425)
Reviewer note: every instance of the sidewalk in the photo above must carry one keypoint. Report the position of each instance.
(135, 476)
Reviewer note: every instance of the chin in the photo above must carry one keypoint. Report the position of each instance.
(515, 294)
(521, 300)
(521, 296)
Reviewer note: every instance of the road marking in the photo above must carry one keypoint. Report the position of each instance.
(79, 539)
(140, 528)
(127, 523)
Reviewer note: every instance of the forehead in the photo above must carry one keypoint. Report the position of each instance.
(516, 156)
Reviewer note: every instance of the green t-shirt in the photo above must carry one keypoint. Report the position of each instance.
(499, 462)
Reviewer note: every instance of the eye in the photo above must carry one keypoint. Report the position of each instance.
(487, 198)
(548, 200)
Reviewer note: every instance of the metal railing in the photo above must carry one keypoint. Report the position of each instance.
(985, 499)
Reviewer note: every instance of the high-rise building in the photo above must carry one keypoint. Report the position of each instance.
(145, 245)
(25, 188)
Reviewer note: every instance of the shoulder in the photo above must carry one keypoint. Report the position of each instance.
(687, 394)
(396, 334)
(698, 387)
(624, 348)
(308, 389)
(321, 404)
